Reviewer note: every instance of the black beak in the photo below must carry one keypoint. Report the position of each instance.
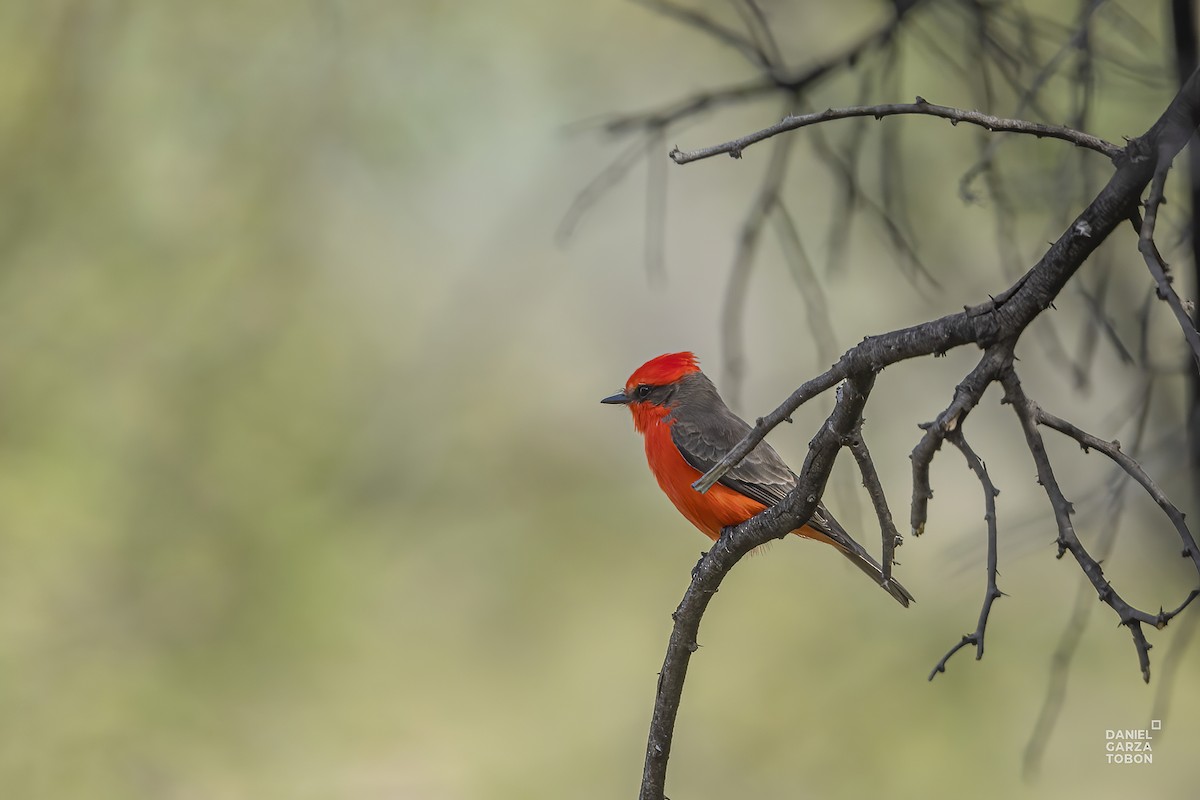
(618, 399)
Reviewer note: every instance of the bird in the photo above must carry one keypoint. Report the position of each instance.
(687, 429)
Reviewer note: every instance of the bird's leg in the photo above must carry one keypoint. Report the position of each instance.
(723, 540)
(726, 535)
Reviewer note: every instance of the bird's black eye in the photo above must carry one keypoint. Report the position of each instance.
(642, 392)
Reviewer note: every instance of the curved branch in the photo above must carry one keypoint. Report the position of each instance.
(1029, 414)
(874, 487)
(1157, 266)
(921, 107)
(1134, 469)
(1006, 315)
(773, 81)
(995, 326)
(955, 437)
(966, 396)
(776, 522)
(1072, 634)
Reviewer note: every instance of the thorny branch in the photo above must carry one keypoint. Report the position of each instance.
(1110, 515)
(993, 592)
(1006, 40)
(1030, 416)
(994, 49)
(1155, 263)
(874, 487)
(1187, 58)
(774, 523)
(996, 326)
(966, 396)
(1113, 450)
(921, 107)
(776, 78)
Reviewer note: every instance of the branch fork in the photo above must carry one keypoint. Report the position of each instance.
(995, 326)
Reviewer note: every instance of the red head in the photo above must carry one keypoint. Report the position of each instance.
(663, 370)
(648, 390)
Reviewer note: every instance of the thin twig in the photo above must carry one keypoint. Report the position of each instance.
(1134, 469)
(1133, 618)
(921, 107)
(976, 637)
(966, 396)
(1183, 639)
(870, 479)
(1064, 653)
(1006, 315)
(679, 110)
(795, 83)
(1154, 260)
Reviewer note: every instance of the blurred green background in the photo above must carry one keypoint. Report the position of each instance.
(304, 487)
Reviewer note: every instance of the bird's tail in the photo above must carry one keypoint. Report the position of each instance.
(863, 561)
(831, 531)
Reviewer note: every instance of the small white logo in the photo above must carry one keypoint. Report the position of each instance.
(1131, 745)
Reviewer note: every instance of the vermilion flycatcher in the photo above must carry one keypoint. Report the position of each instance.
(688, 428)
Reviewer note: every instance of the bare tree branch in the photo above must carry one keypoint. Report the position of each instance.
(874, 487)
(921, 107)
(1187, 59)
(993, 592)
(1154, 260)
(1064, 653)
(1031, 416)
(1134, 469)
(774, 523)
(1006, 315)
(795, 83)
(1184, 636)
(966, 396)
(996, 326)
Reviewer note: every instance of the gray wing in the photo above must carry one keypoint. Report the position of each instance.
(762, 475)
